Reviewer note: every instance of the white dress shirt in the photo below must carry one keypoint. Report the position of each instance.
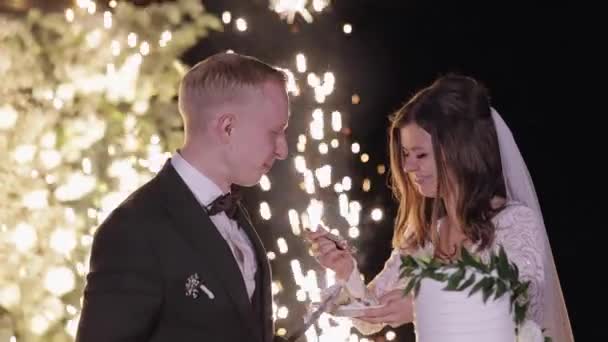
(205, 191)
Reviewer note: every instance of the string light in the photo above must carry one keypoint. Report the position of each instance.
(366, 185)
(319, 5)
(144, 48)
(347, 28)
(115, 46)
(226, 17)
(323, 148)
(289, 8)
(301, 146)
(301, 62)
(55, 169)
(8, 117)
(69, 15)
(317, 125)
(92, 7)
(336, 121)
(132, 39)
(282, 244)
(265, 211)
(241, 24)
(377, 214)
(265, 183)
(83, 3)
(165, 37)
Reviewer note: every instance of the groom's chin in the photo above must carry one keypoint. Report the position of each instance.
(253, 181)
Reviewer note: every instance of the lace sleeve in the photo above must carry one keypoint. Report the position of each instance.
(386, 281)
(519, 232)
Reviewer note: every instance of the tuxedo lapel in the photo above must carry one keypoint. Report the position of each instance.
(247, 226)
(263, 269)
(199, 231)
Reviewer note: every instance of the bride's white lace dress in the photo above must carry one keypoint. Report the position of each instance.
(448, 316)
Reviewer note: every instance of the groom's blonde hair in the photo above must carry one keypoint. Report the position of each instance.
(222, 78)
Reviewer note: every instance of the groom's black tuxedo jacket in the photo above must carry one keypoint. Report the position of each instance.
(145, 260)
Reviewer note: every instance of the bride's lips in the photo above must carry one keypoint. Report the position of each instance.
(420, 180)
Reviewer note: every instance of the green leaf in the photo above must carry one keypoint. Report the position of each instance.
(437, 276)
(520, 312)
(407, 270)
(409, 286)
(469, 260)
(477, 287)
(405, 273)
(431, 264)
(417, 288)
(515, 271)
(493, 262)
(521, 290)
(467, 283)
(454, 280)
(487, 288)
(212, 21)
(408, 261)
(503, 265)
(501, 288)
(512, 301)
(466, 257)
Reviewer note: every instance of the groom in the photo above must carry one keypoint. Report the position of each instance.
(179, 260)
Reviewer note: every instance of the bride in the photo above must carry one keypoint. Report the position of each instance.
(461, 184)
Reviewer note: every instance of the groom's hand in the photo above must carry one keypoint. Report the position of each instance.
(328, 255)
(397, 310)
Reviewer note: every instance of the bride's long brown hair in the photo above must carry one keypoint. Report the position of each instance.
(455, 111)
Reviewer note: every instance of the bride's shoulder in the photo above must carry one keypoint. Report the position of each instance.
(515, 213)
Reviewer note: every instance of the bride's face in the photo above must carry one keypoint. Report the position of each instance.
(418, 159)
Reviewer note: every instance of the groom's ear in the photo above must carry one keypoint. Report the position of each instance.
(225, 126)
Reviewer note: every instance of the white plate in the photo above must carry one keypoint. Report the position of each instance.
(350, 310)
(353, 310)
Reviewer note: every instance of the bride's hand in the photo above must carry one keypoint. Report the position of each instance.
(397, 310)
(328, 255)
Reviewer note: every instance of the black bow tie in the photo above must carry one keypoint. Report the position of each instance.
(228, 203)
